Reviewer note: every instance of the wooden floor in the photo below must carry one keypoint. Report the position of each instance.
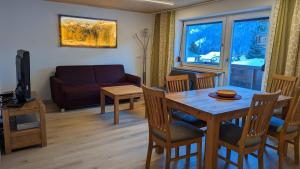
(84, 139)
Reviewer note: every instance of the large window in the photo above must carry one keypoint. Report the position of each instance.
(234, 45)
(203, 43)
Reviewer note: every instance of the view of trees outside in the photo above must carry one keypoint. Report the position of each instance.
(249, 42)
(249, 39)
(203, 43)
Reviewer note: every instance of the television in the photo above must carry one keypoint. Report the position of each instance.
(23, 89)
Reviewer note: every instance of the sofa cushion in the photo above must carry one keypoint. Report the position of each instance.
(75, 74)
(83, 91)
(109, 73)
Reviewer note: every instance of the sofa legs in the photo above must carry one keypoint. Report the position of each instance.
(62, 110)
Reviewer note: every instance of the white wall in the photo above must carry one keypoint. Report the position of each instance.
(214, 9)
(33, 25)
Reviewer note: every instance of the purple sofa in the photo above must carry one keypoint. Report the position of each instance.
(79, 86)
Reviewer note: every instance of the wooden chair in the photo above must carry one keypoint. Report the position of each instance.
(205, 80)
(177, 83)
(287, 131)
(252, 137)
(180, 83)
(166, 133)
(284, 83)
(287, 85)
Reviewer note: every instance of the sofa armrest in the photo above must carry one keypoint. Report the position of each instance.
(56, 86)
(133, 79)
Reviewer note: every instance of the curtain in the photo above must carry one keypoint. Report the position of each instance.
(284, 40)
(163, 47)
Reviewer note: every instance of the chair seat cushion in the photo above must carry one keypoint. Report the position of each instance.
(232, 133)
(188, 119)
(180, 131)
(276, 125)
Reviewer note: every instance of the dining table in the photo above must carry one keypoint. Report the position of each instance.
(215, 111)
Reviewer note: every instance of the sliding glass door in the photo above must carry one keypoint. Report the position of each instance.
(248, 51)
(233, 44)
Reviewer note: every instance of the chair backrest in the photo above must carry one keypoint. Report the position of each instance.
(177, 83)
(259, 115)
(284, 83)
(293, 115)
(156, 110)
(205, 80)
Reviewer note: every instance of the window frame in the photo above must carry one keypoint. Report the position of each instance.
(221, 19)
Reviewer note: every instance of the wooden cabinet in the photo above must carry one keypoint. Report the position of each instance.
(15, 139)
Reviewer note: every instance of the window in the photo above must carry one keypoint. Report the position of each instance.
(234, 44)
(203, 43)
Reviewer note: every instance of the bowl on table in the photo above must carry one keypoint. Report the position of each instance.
(226, 93)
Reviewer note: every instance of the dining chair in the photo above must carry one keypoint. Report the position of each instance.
(180, 83)
(252, 137)
(177, 83)
(205, 80)
(166, 133)
(284, 83)
(287, 131)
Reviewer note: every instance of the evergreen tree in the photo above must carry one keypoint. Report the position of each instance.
(194, 48)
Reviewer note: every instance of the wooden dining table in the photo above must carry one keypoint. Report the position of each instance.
(214, 111)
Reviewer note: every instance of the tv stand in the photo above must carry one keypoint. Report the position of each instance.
(16, 139)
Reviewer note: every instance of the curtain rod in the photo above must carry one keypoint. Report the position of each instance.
(189, 6)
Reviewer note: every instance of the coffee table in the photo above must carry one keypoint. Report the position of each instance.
(118, 93)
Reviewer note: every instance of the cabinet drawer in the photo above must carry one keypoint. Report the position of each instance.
(25, 140)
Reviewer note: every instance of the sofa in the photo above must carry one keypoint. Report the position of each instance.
(79, 86)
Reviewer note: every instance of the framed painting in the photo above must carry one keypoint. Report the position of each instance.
(77, 31)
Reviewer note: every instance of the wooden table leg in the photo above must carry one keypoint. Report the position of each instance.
(116, 110)
(102, 102)
(211, 145)
(6, 130)
(131, 103)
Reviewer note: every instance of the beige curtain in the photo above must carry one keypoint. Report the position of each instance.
(163, 47)
(284, 40)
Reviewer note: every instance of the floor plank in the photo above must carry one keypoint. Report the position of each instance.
(84, 139)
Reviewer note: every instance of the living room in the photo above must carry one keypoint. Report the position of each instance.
(88, 70)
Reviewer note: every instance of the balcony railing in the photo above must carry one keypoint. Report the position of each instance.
(246, 76)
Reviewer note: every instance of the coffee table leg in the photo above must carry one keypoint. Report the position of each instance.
(116, 110)
(102, 102)
(131, 103)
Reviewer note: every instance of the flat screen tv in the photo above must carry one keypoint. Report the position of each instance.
(23, 90)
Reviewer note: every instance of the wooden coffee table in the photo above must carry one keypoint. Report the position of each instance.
(118, 93)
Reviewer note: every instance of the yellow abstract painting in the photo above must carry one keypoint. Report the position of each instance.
(87, 32)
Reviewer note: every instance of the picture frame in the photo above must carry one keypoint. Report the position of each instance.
(87, 32)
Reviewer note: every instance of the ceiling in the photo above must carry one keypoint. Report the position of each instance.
(145, 6)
